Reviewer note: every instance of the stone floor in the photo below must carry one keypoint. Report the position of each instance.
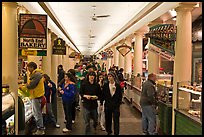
(130, 122)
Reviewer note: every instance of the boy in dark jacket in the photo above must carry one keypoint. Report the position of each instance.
(112, 95)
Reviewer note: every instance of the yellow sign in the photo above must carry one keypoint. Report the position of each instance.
(26, 52)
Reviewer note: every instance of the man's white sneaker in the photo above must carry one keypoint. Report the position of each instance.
(103, 128)
(39, 132)
(73, 121)
(57, 126)
(65, 130)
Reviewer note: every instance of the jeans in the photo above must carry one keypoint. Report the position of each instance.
(101, 114)
(37, 113)
(68, 114)
(88, 114)
(115, 114)
(149, 120)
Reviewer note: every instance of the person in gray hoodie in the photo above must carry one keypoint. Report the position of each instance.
(148, 105)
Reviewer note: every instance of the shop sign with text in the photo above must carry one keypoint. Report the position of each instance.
(163, 36)
(25, 52)
(33, 31)
(59, 47)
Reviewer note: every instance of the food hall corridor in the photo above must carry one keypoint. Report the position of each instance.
(130, 122)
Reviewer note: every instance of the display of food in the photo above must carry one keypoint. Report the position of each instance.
(194, 113)
(194, 88)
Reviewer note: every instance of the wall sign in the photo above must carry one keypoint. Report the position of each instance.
(59, 47)
(163, 36)
(33, 31)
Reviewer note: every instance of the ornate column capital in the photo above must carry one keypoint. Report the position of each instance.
(185, 6)
(121, 41)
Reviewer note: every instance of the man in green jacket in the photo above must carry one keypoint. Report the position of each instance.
(35, 86)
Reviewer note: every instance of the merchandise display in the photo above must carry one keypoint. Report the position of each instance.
(189, 98)
(27, 105)
(8, 110)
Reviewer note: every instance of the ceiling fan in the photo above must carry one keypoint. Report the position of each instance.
(95, 17)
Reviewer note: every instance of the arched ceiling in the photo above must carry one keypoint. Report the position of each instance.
(88, 34)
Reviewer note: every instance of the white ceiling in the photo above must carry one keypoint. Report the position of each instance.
(75, 19)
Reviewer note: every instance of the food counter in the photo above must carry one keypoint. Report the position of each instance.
(188, 116)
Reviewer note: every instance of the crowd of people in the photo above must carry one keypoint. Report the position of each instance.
(99, 91)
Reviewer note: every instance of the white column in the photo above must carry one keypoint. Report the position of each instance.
(10, 51)
(183, 50)
(121, 61)
(138, 47)
(71, 60)
(66, 58)
(116, 56)
(128, 58)
(54, 61)
(46, 63)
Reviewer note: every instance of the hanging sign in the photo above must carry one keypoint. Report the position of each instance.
(33, 31)
(59, 47)
(109, 53)
(25, 52)
(163, 36)
(124, 49)
(103, 55)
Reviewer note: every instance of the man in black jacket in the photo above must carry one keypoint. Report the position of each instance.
(112, 94)
(148, 105)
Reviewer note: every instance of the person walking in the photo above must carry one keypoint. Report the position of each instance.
(68, 94)
(50, 91)
(35, 86)
(148, 105)
(60, 77)
(112, 95)
(101, 113)
(90, 92)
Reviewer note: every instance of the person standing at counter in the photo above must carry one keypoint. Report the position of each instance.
(148, 105)
(35, 86)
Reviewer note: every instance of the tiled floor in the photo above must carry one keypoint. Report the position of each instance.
(130, 122)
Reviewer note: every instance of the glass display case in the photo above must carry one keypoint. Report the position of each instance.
(164, 93)
(164, 96)
(189, 98)
(25, 113)
(8, 111)
(188, 111)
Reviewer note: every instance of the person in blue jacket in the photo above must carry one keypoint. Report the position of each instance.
(68, 95)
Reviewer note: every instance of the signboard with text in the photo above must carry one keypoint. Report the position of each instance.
(163, 36)
(59, 47)
(33, 31)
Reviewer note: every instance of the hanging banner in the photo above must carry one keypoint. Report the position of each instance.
(59, 47)
(33, 31)
(163, 36)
